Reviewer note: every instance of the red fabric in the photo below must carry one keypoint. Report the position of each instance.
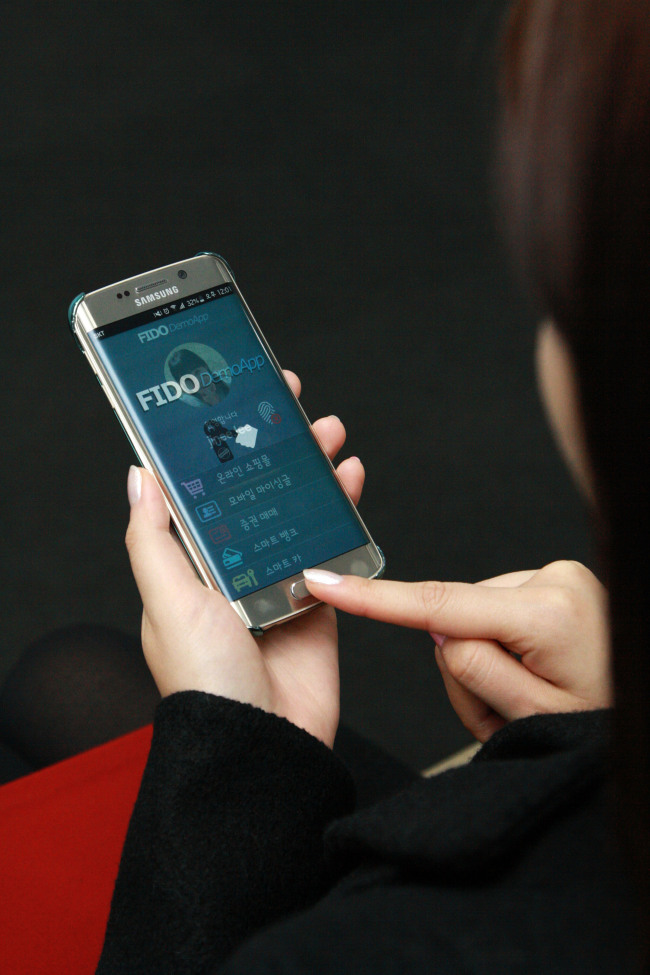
(61, 836)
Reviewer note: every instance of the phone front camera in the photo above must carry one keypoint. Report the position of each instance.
(126, 294)
(182, 274)
(119, 295)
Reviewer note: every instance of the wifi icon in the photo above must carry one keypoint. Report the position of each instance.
(267, 412)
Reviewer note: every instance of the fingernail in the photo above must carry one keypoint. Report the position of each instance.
(439, 640)
(134, 485)
(322, 576)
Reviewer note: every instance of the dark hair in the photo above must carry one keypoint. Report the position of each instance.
(575, 168)
(182, 361)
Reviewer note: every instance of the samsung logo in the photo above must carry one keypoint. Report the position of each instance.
(157, 295)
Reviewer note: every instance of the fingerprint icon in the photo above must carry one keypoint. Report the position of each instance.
(267, 412)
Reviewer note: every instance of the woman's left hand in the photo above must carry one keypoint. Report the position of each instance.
(193, 639)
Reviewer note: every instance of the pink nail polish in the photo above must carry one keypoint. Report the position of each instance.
(134, 485)
(439, 639)
(322, 577)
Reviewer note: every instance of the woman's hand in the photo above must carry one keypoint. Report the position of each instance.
(194, 640)
(554, 620)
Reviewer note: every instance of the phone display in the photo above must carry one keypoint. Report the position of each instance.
(200, 393)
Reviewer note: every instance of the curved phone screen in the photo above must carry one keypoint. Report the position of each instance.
(229, 440)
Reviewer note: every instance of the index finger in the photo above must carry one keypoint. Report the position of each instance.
(510, 578)
(457, 609)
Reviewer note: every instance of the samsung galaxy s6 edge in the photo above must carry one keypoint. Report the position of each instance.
(206, 407)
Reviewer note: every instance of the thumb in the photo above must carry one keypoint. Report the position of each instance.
(159, 565)
(484, 674)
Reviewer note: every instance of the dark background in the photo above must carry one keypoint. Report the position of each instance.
(338, 154)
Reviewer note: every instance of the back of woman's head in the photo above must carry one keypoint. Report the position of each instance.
(575, 165)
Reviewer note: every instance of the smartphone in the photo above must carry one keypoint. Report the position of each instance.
(204, 403)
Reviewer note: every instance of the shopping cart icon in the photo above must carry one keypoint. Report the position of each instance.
(194, 488)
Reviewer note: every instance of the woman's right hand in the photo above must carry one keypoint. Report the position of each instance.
(554, 620)
(565, 653)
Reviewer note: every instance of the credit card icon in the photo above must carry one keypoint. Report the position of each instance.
(231, 558)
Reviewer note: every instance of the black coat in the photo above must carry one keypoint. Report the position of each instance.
(244, 856)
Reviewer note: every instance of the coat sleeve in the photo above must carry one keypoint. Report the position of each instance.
(226, 835)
